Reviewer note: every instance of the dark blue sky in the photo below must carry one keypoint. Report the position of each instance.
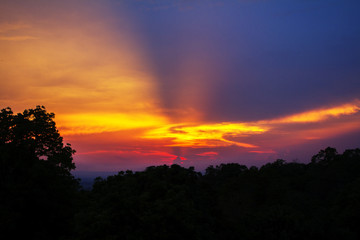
(255, 59)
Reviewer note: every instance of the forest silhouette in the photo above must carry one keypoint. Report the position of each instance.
(41, 199)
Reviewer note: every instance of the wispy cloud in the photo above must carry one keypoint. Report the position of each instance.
(208, 154)
(15, 32)
(261, 152)
(7, 27)
(17, 38)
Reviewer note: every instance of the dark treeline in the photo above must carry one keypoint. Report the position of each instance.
(40, 199)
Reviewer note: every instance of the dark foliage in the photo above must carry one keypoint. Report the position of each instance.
(36, 186)
(319, 200)
(40, 199)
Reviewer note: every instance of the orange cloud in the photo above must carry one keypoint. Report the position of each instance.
(101, 152)
(86, 123)
(161, 154)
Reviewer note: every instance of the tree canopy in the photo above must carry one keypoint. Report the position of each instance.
(280, 200)
(35, 178)
(35, 131)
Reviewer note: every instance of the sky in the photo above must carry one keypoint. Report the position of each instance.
(197, 83)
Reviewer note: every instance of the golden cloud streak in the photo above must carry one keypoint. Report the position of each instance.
(217, 135)
(205, 135)
(319, 114)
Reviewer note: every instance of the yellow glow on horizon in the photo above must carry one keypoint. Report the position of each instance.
(205, 135)
(218, 134)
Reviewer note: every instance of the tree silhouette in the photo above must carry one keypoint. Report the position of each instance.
(37, 188)
(280, 200)
(325, 156)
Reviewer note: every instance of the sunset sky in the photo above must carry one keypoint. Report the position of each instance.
(198, 83)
